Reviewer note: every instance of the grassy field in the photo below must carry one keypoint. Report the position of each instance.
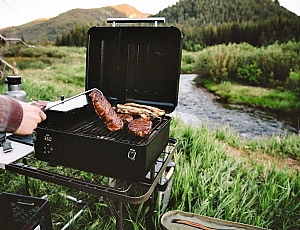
(218, 174)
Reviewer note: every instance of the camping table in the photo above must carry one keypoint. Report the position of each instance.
(116, 191)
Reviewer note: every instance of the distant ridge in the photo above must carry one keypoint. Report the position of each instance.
(130, 11)
(43, 29)
(195, 18)
(41, 19)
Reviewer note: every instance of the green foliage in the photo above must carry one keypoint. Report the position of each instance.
(215, 22)
(266, 67)
(30, 63)
(50, 72)
(209, 179)
(45, 31)
(232, 187)
(203, 23)
(76, 37)
(275, 99)
(188, 62)
(249, 74)
(293, 82)
(38, 52)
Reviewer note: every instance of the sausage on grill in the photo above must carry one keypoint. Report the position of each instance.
(145, 111)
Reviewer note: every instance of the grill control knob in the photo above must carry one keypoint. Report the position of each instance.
(48, 149)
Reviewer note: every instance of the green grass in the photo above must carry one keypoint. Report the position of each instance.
(63, 73)
(218, 174)
(209, 180)
(274, 99)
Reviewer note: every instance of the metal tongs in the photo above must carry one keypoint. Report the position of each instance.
(45, 105)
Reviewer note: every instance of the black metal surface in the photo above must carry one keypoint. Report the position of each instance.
(97, 129)
(119, 190)
(76, 116)
(135, 64)
(18, 212)
(128, 64)
(73, 135)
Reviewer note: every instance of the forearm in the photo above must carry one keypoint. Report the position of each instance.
(11, 114)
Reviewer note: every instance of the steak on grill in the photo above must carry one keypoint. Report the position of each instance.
(140, 127)
(105, 111)
(126, 118)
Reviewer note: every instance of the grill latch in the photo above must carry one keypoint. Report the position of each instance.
(131, 154)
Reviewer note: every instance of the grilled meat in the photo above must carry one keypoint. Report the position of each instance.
(105, 111)
(145, 111)
(140, 127)
(126, 118)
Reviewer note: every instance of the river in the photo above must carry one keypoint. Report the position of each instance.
(198, 106)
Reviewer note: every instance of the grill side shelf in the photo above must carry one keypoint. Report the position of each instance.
(133, 193)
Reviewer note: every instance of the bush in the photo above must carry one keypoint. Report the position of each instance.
(249, 74)
(293, 82)
(40, 51)
(188, 61)
(267, 67)
(30, 63)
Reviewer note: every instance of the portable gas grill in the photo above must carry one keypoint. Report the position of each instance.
(127, 64)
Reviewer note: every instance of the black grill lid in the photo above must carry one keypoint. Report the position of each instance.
(135, 64)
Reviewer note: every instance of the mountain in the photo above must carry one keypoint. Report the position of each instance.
(257, 22)
(200, 12)
(202, 22)
(47, 30)
(130, 11)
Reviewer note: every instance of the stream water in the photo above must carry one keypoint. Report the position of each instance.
(197, 106)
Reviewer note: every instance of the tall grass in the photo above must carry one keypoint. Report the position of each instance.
(212, 182)
(62, 71)
(209, 180)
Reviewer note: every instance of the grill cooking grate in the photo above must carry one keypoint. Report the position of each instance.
(97, 129)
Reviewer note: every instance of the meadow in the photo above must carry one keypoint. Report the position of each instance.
(218, 174)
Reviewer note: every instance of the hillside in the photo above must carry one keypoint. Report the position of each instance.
(203, 23)
(200, 12)
(257, 22)
(43, 30)
(130, 11)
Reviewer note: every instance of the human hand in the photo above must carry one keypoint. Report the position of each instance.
(32, 115)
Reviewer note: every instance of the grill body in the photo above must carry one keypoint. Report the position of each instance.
(128, 64)
(76, 137)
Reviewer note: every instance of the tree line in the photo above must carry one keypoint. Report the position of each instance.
(198, 37)
(75, 37)
(203, 23)
(255, 33)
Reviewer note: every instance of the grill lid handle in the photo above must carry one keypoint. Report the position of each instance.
(155, 20)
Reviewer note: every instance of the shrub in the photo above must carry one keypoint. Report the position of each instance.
(267, 67)
(249, 74)
(30, 63)
(293, 82)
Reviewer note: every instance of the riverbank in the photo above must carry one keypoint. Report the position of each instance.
(264, 77)
(197, 106)
(269, 99)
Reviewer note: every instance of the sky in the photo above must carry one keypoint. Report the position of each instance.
(18, 12)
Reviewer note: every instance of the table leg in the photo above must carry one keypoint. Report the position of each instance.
(119, 218)
(26, 179)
